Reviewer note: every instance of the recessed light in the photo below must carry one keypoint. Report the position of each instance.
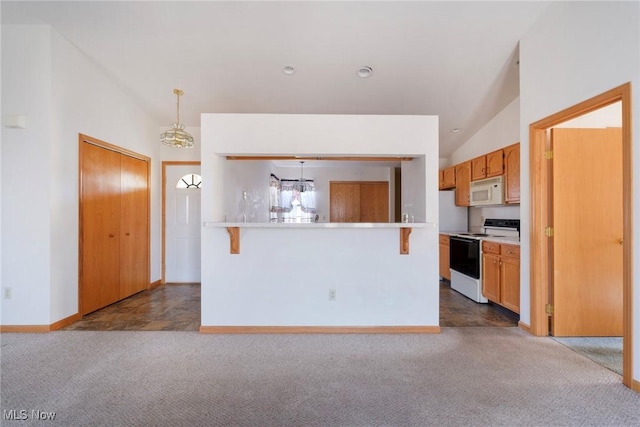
(364, 72)
(455, 130)
(288, 70)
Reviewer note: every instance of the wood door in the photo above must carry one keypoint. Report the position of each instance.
(134, 234)
(463, 180)
(344, 202)
(491, 277)
(100, 235)
(495, 163)
(512, 174)
(374, 202)
(478, 168)
(587, 221)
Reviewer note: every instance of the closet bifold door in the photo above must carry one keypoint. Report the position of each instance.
(100, 227)
(133, 227)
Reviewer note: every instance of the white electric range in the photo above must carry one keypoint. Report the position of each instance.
(465, 255)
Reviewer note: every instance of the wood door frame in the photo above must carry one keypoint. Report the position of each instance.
(540, 216)
(82, 139)
(164, 208)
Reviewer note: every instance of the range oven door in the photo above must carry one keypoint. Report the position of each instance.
(464, 256)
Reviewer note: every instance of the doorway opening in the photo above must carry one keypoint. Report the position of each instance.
(540, 212)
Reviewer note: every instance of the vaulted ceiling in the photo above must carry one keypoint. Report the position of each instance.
(454, 59)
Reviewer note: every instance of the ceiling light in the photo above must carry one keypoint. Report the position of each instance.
(177, 136)
(288, 70)
(364, 72)
(455, 130)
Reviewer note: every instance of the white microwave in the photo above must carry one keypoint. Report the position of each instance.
(488, 191)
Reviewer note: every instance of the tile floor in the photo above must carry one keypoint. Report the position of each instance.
(176, 307)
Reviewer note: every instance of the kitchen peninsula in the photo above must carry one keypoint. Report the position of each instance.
(264, 277)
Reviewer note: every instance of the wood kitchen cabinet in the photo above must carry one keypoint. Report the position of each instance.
(448, 178)
(444, 257)
(501, 274)
(512, 173)
(463, 179)
(488, 165)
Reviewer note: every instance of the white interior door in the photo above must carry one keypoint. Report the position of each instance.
(182, 222)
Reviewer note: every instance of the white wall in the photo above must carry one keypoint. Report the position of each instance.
(26, 175)
(501, 131)
(574, 52)
(63, 93)
(282, 276)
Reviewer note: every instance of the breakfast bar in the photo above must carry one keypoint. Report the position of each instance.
(264, 276)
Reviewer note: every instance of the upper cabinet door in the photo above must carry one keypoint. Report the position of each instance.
(478, 168)
(463, 178)
(495, 163)
(449, 177)
(512, 174)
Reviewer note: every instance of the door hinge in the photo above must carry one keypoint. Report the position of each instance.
(548, 308)
(548, 231)
(548, 154)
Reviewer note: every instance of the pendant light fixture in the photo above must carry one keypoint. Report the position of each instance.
(177, 136)
(301, 186)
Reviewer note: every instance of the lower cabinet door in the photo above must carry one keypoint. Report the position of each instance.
(491, 277)
(511, 284)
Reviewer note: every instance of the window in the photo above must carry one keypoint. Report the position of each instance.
(292, 200)
(190, 180)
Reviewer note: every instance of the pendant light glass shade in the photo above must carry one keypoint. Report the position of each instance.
(177, 136)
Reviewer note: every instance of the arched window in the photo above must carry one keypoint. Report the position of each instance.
(190, 180)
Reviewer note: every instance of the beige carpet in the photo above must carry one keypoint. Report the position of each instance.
(462, 377)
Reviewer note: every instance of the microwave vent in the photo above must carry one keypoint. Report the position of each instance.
(488, 181)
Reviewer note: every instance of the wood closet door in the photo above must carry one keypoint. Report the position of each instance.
(374, 202)
(100, 235)
(134, 268)
(344, 202)
(359, 201)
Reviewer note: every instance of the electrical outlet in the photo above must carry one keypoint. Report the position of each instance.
(7, 293)
(332, 294)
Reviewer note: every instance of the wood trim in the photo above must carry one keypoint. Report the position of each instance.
(404, 240)
(117, 149)
(234, 240)
(155, 284)
(524, 327)
(65, 322)
(635, 386)
(538, 175)
(42, 328)
(320, 329)
(341, 158)
(163, 266)
(82, 139)
(24, 328)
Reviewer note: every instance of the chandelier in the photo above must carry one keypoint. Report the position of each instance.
(302, 185)
(177, 136)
